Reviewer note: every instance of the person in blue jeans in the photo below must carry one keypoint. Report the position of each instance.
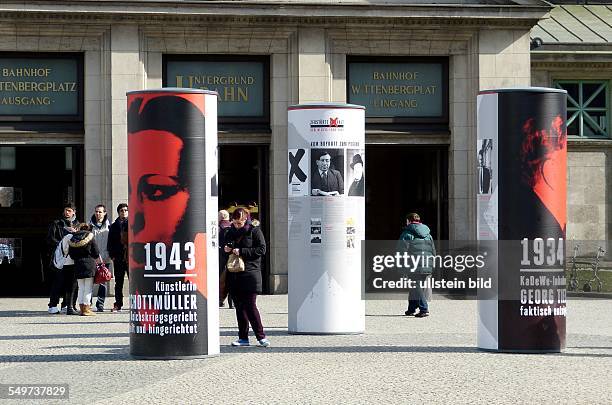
(416, 239)
(417, 298)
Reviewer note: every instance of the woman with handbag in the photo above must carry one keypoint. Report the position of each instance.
(244, 247)
(224, 225)
(84, 251)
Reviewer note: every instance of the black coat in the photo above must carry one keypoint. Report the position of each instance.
(357, 188)
(56, 232)
(252, 248)
(116, 249)
(84, 251)
(334, 181)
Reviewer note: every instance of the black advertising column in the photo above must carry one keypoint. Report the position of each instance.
(172, 143)
(522, 161)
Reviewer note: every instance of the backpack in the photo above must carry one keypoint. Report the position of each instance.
(59, 257)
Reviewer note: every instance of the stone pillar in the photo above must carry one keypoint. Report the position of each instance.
(459, 178)
(97, 182)
(126, 74)
(122, 71)
(314, 74)
(496, 58)
(299, 76)
(280, 99)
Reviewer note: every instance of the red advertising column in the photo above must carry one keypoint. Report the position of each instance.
(172, 141)
(521, 201)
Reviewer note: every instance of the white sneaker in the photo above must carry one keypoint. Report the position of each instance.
(263, 343)
(54, 310)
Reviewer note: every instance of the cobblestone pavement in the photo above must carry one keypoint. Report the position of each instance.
(398, 360)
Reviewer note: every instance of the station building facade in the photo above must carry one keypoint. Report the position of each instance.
(66, 67)
(572, 50)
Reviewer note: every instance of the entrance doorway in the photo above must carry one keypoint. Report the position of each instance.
(402, 179)
(35, 182)
(243, 182)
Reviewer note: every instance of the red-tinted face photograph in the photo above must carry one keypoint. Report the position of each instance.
(545, 152)
(158, 200)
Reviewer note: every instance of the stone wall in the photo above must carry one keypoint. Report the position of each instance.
(589, 192)
(589, 168)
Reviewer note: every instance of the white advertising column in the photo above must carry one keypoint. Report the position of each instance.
(326, 189)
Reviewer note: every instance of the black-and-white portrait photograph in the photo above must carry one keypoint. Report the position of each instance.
(326, 172)
(355, 170)
(485, 167)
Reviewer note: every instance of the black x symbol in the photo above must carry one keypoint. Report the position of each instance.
(294, 161)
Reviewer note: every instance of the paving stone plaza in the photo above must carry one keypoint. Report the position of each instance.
(398, 360)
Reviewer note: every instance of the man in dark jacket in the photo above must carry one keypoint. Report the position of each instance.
(418, 241)
(63, 282)
(324, 180)
(117, 250)
(357, 187)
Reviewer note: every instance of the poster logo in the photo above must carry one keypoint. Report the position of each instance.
(331, 124)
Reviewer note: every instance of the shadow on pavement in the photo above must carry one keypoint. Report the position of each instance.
(389, 316)
(63, 358)
(69, 336)
(234, 332)
(395, 349)
(121, 352)
(355, 349)
(17, 314)
(122, 347)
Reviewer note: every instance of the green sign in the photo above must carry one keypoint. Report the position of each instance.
(397, 89)
(45, 86)
(240, 84)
